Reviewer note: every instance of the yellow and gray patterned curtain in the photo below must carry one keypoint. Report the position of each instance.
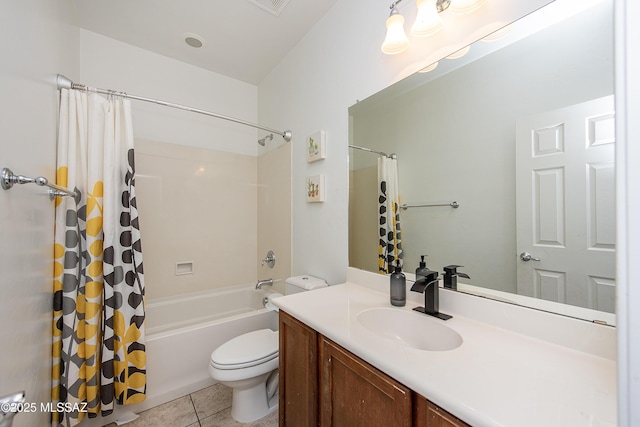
(390, 245)
(98, 315)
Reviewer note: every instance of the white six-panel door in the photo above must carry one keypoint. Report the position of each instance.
(565, 204)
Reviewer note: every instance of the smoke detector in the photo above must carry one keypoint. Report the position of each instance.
(272, 6)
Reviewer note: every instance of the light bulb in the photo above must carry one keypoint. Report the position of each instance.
(396, 40)
(428, 21)
(466, 6)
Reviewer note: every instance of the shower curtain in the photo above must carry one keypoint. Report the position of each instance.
(390, 246)
(98, 309)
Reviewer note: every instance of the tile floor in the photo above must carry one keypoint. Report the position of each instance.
(209, 407)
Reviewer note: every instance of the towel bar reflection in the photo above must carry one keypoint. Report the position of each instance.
(453, 204)
(8, 178)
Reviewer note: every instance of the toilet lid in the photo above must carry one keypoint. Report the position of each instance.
(250, 349)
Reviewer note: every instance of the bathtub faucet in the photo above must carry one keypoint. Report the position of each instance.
(264, 282)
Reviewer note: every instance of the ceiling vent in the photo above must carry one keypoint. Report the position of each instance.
(271, 6)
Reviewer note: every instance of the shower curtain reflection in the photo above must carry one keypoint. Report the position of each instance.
(390, 245)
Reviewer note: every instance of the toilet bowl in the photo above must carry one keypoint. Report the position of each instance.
(249, 364)
(245, 363)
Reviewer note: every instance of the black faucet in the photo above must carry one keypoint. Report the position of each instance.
(451, 276)
(429, 285)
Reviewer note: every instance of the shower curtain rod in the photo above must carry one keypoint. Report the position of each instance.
(357, 147)
(66, 83)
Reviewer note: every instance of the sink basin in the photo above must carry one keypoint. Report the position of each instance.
(411, 329)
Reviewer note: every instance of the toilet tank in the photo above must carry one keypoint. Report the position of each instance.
(304, 283)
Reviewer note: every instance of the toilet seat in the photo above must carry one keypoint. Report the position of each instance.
(250, 349)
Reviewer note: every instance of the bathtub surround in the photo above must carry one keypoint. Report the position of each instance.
(221, 210)
(274, 213)
(197, 205)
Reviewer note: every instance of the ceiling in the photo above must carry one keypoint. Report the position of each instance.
(241, 40)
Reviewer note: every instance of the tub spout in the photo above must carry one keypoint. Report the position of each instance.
(261, 283)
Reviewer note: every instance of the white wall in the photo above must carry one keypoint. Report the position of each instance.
(198, 206)
(110, 64)
(36, 43)
(335, 64)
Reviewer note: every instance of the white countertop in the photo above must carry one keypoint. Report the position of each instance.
(497, 377)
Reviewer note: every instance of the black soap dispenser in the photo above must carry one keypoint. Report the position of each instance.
(398, 292)
(422, 270)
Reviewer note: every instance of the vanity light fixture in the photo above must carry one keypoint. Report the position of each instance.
(428, 21)
(396, 40)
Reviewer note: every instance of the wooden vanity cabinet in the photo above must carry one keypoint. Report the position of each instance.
(427, 414)
(323, 384)
(354, 393)
(298, 373)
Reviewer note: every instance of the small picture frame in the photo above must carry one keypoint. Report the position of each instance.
(316, 147)
(315, 188)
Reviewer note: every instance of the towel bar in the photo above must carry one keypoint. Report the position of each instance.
(8, 178)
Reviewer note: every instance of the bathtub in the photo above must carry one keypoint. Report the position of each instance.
(181, 334)
(183, 331)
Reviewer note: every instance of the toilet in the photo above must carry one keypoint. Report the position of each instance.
(249, 363)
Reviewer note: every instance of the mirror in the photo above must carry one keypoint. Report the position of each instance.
(473, 131)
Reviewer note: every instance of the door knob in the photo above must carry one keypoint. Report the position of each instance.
(526, 256)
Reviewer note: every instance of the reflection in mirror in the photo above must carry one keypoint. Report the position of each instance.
(522, 138)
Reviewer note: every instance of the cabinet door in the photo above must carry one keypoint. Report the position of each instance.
(354, 393)
(426, 414)
(298, 383)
